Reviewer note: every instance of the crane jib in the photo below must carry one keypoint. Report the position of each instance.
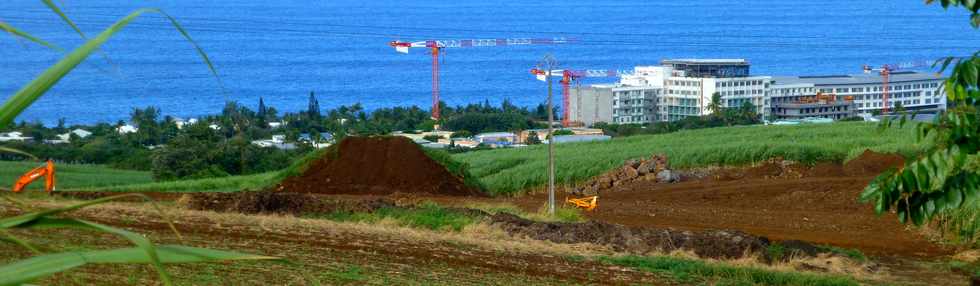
(494, 42)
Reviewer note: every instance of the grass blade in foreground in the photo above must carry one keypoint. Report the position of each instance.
(14, 31)
(32, 91)
(41, 266)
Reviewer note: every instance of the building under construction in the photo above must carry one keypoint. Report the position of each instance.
(819, 106)
(682, 88)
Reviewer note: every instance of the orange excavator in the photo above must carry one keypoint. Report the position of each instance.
(46, 171)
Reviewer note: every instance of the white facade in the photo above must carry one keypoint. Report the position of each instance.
(661, 93)
(671, 92)
(913, 90)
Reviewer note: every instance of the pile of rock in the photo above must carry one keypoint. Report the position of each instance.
(654, 169)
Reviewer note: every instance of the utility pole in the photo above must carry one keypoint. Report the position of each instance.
(549, 63)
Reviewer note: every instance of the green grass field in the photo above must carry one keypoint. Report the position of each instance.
(223, 184)
(73, 176)
(511, 171)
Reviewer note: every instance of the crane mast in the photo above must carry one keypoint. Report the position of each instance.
(885, 72)
(567, 77)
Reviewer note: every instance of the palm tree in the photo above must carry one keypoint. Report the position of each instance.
(715, 105)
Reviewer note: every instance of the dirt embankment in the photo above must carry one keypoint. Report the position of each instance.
(721, 244)
(377, 166)
(639, 240)
(281, 203)
(777, 200)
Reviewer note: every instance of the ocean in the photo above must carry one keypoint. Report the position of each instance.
(283, 50)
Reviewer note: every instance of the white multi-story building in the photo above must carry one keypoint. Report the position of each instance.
(684, 87)
(672, 91)
(913, 90)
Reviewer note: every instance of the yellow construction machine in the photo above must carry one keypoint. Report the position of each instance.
(586, 203)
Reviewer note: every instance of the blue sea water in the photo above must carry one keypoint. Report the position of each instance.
(282, 50)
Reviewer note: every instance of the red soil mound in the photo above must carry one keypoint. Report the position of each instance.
(826, 169)
(377, 166)
(871, 163)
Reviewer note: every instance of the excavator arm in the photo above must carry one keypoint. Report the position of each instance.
(46, 171)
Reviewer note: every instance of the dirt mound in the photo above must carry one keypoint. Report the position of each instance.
(708, 244)
(871, 163)
(279, 202)
(377, 166)
(825, 169)
(770, 169)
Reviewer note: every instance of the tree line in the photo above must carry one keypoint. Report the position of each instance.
(221, 144)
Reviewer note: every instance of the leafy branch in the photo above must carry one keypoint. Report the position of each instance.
(946, 176)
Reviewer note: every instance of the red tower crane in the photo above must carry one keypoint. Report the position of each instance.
(435, 46)
(885, 71)
(567, 77)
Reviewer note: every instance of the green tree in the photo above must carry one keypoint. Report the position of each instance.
(262, 110)
(899, 108)
(532, 138)
(148, 130)
(947, 175)
(715, 105)
(462, 134)
(747, 114)
(313, 107)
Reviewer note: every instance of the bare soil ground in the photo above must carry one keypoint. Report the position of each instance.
(808, 209)
(332, 253)
(779, 201)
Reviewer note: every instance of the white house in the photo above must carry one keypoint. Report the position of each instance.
(277, 141)
(126, 129)
(181, 123)
(498, 138)
(81, 133)
(14, 136)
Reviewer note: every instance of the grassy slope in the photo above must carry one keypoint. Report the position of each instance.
(72, 176)
(509, 171)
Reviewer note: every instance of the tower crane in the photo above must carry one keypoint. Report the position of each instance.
(885, 71)
(435, 46)
(567, 77)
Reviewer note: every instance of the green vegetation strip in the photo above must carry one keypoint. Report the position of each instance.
(427, 216)
(689, 271)
(72, 176)
(222, 184)
(511, 171)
